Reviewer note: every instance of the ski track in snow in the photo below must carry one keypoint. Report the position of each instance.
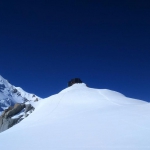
(105, 97)
(82, 118)
(58, 103)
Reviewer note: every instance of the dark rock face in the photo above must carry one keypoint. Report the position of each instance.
(29, 107)
(36, 100)
(14, 91)
(6, 120)
(2, 86)
(73, 81)
(6, 123)
(16, 109)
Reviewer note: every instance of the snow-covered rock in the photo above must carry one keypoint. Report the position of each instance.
(10, 95)
(14, 114)
(82, 118)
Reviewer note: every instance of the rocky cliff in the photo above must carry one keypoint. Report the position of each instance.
(14, 114)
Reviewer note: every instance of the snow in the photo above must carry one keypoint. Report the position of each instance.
(9, 95)
(82, 118)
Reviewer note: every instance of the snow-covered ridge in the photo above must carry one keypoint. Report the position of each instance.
(83, 118)
(9, 95)
(109, 95)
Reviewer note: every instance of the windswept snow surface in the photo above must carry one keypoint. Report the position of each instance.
(82, 118)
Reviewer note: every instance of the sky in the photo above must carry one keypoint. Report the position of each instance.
(44, 44)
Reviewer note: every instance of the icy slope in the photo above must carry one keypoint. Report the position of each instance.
(81, 118)
(9, 95)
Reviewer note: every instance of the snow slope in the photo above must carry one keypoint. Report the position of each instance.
(82, 118)
(9, 95)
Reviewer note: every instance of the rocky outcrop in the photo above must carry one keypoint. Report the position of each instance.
(14, 115)
(10, 95)
(28, 107)
(6, 123)
(73, 81)
(16, 109)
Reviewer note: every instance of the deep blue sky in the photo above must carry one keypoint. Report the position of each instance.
(43, 44)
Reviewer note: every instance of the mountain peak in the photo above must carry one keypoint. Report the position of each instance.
(10, 95)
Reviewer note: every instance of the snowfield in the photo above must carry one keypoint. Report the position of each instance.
(82, 118)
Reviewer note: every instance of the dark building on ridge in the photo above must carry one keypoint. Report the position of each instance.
(73, 81)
